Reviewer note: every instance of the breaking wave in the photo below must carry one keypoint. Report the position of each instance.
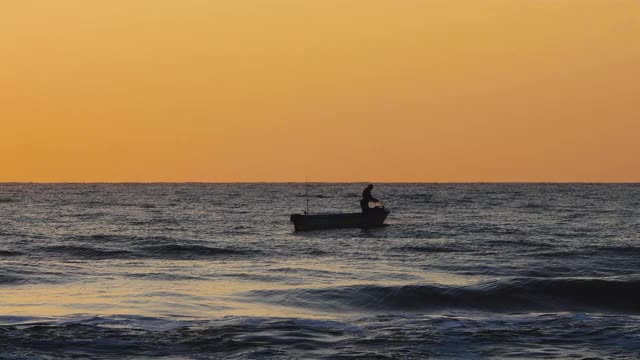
(518, 294)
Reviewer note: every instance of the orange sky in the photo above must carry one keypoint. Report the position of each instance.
(332, 90)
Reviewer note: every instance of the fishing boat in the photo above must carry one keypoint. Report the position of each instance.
(372, 218)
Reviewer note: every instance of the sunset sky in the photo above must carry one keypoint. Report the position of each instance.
(329, 90)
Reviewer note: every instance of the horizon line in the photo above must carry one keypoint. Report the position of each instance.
(315, 182)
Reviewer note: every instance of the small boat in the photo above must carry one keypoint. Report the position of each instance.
(372, 218)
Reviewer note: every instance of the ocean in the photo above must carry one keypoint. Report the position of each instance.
(215, 271)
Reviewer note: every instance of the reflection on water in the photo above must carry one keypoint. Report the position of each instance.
(198, 289)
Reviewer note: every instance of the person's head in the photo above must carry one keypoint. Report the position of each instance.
(370, 186)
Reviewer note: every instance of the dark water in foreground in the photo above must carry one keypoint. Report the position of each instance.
(200, 271)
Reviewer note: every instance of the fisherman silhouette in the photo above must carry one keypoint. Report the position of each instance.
(366, 197)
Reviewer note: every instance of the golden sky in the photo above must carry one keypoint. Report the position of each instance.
(330, 90)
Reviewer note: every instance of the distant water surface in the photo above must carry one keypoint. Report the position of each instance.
(199, 271)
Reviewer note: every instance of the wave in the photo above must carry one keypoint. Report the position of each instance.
(561, 253)
(11, 280)
(518, 294)
(429, 249)
(518, 242)
(613, 251)
(86, 252)
(162, 276)
(534, 205)
(111, 238)
(8, 253)
(617, 250)
(373, 337)
(146, 337)
(175, 251)
(168, 251)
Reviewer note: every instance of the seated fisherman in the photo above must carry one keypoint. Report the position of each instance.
(366, 198)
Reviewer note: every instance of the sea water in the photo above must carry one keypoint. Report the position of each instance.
(201, 271)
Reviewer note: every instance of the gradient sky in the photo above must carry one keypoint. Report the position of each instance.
(330, 90)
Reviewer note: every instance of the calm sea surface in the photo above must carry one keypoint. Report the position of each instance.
(201, 271)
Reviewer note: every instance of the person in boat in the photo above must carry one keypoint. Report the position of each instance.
(366, 198)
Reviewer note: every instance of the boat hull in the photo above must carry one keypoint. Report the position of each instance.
(374, 217)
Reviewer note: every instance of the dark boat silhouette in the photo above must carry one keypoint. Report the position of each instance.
(372, 218)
